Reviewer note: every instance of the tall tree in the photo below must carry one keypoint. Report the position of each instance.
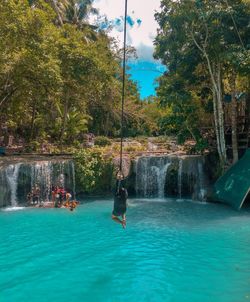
(196, 28)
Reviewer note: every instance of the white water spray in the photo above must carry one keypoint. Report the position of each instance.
(180, 178)
(73, 179)
(12, 172)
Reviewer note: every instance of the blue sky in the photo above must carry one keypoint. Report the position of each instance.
(145, 74)
(141, 33)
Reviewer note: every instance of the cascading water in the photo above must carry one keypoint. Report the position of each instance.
(151, 176)
(17, 180)
(12, 179)
(46, 174)
(162, 176)
(41, 176)
(180, 177)
(73, 179)
(202, 182)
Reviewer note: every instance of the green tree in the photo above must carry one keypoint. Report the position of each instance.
(194, 34)
(58, 81)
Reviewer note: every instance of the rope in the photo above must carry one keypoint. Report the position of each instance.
(235, 25)
(123, 81)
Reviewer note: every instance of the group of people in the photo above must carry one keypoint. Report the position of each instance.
(60, 198)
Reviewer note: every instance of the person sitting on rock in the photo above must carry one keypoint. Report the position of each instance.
(29, 198)
(68, 197)
(62, 194)
(36, 194)
(57, 203)
(53, 194)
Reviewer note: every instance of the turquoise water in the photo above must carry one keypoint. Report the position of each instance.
(170, 251)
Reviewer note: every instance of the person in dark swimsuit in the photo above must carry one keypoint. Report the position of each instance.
(120, 203)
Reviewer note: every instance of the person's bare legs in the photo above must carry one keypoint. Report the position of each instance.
(118, 220)
(124, 221)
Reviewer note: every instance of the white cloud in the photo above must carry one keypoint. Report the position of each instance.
(140, 35)
(145, 52)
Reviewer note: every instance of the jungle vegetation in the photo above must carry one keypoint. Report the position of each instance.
(206, 46)
(61, 77)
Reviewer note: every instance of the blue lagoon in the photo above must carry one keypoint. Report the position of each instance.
(172, 250)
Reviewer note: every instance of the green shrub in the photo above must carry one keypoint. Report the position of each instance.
(102, 141)
(160, 139)
(33, 146)
(94, 173)
(199, 148)
(134, 148)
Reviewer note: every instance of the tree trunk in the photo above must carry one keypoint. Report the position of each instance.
(215, 75)
(216, 123)
(56, 9)
(234, 118)
(221, 113)
(216, 81)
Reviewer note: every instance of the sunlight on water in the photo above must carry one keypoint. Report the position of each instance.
(170, 252)
(10, 209)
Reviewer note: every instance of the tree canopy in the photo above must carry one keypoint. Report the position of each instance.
(60, 77)
(203, 43)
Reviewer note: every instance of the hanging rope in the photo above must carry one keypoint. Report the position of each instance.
(235, 25)
(123, 81)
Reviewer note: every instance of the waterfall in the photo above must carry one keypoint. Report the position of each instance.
(61, 178)
(12, 179)
(180, 178)
(160, 176)
(151, 176)
(141, 177)
(41, 176)
(46, 174)
(73, 179)
(202, 182)
(18, 179)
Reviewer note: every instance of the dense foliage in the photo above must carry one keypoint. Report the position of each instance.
(206, 47)
(94, 171)
(60, 77)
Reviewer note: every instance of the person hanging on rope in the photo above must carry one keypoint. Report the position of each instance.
(121, 194)
(120, 201)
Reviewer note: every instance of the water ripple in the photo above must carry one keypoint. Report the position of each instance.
(170, 251)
